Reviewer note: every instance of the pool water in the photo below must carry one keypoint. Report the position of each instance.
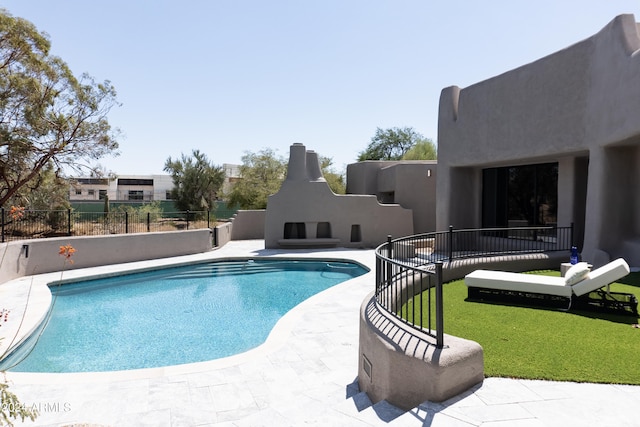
(172, 316)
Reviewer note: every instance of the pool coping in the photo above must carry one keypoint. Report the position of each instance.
(40, 300)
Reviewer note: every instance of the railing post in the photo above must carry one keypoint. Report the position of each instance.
(68, 222)
(208, 216)
(148, 222)
(387, 267)
(572, 242)
(3, 225)
(439, 307)
(187, 219)
(450, 244)
(126, 223)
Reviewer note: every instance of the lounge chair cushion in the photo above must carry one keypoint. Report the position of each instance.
(520, 282)
(549, 285)
(576, 273)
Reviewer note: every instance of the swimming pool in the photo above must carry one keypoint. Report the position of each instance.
(173, 315)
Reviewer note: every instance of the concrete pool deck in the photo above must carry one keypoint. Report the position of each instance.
(304, 374)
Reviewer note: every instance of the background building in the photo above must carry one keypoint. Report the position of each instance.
(134, 188)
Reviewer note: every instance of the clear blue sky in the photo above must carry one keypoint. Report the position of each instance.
(232, 76)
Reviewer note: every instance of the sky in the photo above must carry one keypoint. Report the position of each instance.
(239, 76)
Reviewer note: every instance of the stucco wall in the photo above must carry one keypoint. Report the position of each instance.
(410, 176)
(248, 225)
(223, 234)
(401, 179)
(362, 177)
(522, 113)
(94, 251)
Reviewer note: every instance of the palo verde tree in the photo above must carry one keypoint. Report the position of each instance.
(390, 144)
(334, 179)
(196, 181)
(261, 174)
(48, 117)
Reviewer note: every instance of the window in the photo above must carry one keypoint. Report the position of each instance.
(102, 194)
(78, 191)
(91, 192)
(93, 181)
(520, 195)
(136, 195)
(125, 181)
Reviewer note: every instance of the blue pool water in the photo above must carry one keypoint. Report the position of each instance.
(172, 316)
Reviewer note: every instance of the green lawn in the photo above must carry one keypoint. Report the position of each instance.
(547, 344)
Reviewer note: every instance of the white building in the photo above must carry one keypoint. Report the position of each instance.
(137, 188)
(134, 188)
(231, 176)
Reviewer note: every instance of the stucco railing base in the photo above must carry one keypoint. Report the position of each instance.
(403, 366)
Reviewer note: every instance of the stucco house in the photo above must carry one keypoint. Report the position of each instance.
(556, 141)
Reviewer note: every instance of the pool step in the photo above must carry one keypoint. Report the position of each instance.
(229, 268)
(214, 269)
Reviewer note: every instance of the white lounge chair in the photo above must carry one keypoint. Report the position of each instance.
(580, 288)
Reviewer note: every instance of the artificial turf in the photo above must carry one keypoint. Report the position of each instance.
(538, 343)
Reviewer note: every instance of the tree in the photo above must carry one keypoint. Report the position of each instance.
(422, 150)
(390, 144)
(335, 180)
(47, 115)
(261, 175)
(47, 191)
(196, 181)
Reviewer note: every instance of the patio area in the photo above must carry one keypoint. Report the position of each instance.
(304, 374)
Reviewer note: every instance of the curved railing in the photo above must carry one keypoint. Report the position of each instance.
(412, 265)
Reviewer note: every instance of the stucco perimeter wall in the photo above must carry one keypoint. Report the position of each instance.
(223, 234)
(92, 251)
(248, 225)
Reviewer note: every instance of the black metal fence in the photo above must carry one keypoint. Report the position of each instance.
(409, 269)
(20, 224)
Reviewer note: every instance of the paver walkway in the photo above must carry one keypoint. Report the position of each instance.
(305, 374)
